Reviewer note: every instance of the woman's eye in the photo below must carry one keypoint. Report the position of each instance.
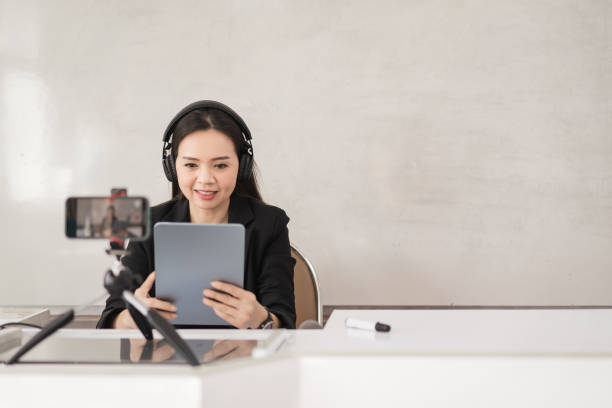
(191, 165)
(221, 165)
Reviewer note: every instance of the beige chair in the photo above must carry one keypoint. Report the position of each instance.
(306, 289)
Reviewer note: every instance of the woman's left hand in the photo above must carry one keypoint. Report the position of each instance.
(236, 306)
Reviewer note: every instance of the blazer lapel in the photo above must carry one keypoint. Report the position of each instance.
(240, 212)
(179, 212)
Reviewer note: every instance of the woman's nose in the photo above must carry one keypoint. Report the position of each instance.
(205, 175)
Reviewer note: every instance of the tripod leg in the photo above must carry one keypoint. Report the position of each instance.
(141, 322)
(165, 328)
(170, 334)
(45, 332)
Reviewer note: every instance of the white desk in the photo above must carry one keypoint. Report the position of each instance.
(434, 358)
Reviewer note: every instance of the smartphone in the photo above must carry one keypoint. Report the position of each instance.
(105, 217)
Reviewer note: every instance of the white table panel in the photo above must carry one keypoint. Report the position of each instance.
(474, 331)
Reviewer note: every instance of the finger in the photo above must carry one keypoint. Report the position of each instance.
(233, 290)
(219, 306)
(168, 315)
(221, 297)
(148, 283)
(161, 305)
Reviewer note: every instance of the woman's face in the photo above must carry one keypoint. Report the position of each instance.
(206, 168)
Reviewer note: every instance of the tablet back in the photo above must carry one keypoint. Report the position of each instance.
(187, 257)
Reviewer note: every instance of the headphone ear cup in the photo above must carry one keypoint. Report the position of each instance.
(169, 167)
(245, 168)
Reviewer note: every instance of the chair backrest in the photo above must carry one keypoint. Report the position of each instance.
(306, 289)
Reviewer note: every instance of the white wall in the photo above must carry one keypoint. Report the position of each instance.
(428, 152)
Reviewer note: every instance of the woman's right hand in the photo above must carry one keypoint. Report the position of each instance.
(166, 309)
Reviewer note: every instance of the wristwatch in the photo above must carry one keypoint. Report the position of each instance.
(268, 323)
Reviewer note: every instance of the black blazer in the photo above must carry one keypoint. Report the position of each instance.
(268, 261)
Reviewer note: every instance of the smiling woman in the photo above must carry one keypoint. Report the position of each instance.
(209, 161)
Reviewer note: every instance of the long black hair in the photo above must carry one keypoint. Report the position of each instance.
(205, 119)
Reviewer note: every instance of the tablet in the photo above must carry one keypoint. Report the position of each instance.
(187, 257)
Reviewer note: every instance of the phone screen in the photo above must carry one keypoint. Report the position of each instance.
(105, 217)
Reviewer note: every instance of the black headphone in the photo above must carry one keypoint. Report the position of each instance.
(245, 168)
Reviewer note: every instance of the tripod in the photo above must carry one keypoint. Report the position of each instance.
(120, 281)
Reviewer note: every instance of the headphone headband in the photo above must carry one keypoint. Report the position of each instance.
(207, 104)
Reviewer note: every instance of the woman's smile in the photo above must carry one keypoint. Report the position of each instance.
(205, 194)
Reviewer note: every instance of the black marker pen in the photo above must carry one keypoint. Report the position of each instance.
(366, 325)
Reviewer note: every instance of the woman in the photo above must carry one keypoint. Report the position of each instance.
(109, 222)
(210, 165)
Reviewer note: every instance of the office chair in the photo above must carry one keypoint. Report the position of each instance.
(306, 290)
